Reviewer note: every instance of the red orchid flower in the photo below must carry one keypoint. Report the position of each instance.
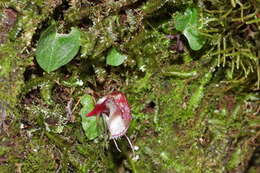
(116, 111)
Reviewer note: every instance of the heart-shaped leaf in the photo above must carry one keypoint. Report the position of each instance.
(55, 50)
(115, 58)
(188, 24)
(89, 124)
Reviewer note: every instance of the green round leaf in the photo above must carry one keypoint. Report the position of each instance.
(89, 124)
(87, 103)
(115, 58)
(55, 50)
(90, 127)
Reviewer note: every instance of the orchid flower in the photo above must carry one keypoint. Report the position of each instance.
(116, 112)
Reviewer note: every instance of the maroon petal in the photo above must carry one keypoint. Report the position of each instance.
(122, 103)
(99, 108)
(119, 99)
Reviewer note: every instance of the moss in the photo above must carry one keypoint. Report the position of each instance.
(4, 150)
(152, 5)
(193, 111)
(11, 74)
(193, 144)
(6, 168)
(39, 159)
